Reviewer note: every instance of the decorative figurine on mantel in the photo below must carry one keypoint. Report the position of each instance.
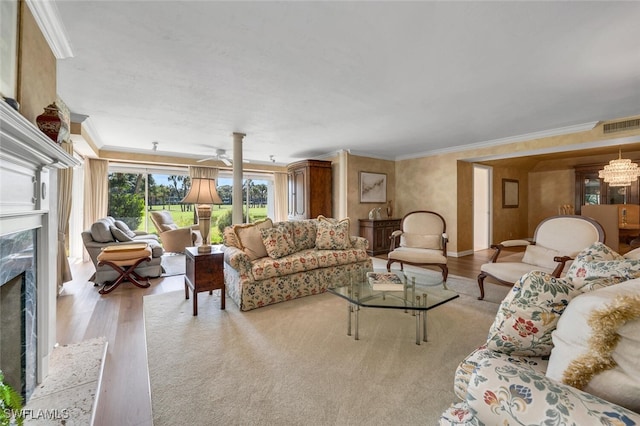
(52, 123)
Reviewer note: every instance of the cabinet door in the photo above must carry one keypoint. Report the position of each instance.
(299, 185)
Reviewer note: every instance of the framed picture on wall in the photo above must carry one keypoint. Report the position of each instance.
(373, 187)
(509, 193)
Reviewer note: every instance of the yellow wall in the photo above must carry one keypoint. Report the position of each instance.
(36, 68)
(511, 222)
(547, 191)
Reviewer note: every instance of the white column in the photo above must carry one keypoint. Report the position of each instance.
(237, 178)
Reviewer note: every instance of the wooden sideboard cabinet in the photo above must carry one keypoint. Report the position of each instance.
(378, 232)
(310, 189)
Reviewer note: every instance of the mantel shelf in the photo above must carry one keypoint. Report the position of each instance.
(22, 141)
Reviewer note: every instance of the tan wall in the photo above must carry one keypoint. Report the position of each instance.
(36, 68)
(510, 222)
(357, 210)
(465, 212)
(432, 182)
(548, 191)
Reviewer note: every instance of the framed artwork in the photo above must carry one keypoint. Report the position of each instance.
(509, 193)
(8, 48)
(373, 187)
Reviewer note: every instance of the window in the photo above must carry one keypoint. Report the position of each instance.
(134, 191)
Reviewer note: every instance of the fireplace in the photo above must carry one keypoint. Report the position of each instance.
(28, 247)
(18, 311)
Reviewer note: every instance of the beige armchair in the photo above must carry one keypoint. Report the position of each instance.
(556, 241)
(421, 241)
(173, 238)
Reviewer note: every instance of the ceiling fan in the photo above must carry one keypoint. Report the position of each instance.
(221, 155)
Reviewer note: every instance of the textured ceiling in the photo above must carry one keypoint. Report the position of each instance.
(384, 79)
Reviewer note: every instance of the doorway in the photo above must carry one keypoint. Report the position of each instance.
(481, 207)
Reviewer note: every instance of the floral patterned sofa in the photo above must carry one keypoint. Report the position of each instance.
(266, 262)
(560, 351)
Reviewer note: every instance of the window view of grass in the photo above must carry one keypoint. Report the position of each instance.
(128, 203)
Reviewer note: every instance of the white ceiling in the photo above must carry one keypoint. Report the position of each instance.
(384, 79)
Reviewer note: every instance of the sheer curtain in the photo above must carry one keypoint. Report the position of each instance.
(96, 192)
(280, 196)
(65, 188)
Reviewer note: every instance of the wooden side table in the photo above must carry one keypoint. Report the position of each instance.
(204, 273)
(378, 232)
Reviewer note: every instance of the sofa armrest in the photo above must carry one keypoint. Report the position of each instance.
(503, 392)
(359, 242)
(238, 260)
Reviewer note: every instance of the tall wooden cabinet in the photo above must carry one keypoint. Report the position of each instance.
(310, 189)
(590, 189)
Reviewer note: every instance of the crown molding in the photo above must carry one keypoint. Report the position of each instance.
(47, 16)
(504, 141)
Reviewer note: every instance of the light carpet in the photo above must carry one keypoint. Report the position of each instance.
(292, 363)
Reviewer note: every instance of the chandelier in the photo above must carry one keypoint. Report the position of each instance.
(620, 172)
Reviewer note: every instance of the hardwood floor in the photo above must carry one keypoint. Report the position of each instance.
(83, 314)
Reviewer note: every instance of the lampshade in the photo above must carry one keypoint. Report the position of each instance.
(620, 172)
(202, 191)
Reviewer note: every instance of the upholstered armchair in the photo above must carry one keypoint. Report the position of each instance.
(556, 241)
(421, 241)
(174, 238)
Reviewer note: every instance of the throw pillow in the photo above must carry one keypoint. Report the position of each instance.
(540, 256)
(333, 234)
(125, 228)
(278, 241)
(412, 240)
(250, 238)
(596, 344)
(100, 232)
(118, 234)
(528, 315)
(597, 252)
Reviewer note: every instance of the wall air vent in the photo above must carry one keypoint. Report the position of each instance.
(621, 126)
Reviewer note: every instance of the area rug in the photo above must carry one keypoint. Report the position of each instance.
(173, 264)
(67, 396)
(292, 363)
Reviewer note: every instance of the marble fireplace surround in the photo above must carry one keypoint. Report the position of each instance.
(29, 161)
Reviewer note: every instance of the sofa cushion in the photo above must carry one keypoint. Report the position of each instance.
(124, 228)
(164, 221)
(332, 234)
(304, 233)
(267, 267)
(250, 238)
(278, 241)
(118, 234)
(529, 313)
(597, 342)
(482, 354)
(101, 232)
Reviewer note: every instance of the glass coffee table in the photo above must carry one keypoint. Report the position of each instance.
(414, 292)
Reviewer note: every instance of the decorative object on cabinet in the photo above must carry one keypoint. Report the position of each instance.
(620, 172)
(509, 193)
(590, 189)
(203, 193)
(378, 232)
(52, 123)
(373, 187)
(310, 189)
(389, 209)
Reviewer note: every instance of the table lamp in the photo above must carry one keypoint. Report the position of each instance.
(203, 193)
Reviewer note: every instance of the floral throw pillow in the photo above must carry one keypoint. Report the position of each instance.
(594, 254)
(332, 234)
(528, 315)
(278, 241)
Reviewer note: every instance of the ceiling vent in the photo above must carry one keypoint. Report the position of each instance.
(621, 126)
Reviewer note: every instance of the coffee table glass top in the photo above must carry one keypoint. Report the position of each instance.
(408, 290)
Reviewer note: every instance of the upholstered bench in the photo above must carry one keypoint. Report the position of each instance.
(124, 259)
